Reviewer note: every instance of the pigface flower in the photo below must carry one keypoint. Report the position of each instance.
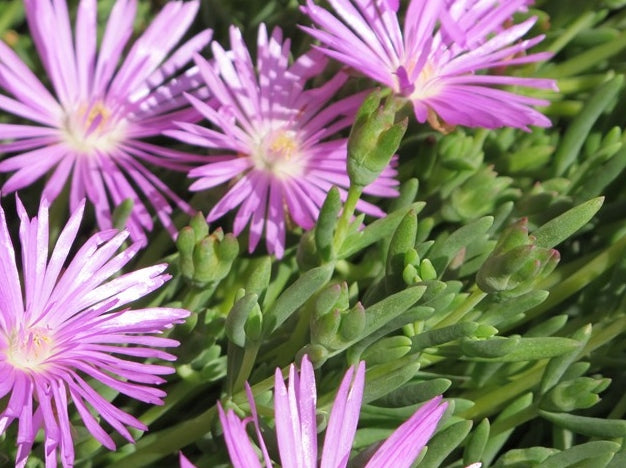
(90, 128)
(443, 58)
(296, 428)
(275, 137)
(66, 322)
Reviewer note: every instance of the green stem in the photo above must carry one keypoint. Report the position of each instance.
(354, 193)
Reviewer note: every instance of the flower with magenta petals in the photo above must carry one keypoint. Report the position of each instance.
(66, 323)
(90, 128)
(275, 138)
(296, 427)
(442, 60)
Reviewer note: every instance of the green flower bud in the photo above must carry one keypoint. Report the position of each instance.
(374, 138)
(516, 263)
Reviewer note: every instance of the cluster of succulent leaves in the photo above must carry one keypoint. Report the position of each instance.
(498, 278)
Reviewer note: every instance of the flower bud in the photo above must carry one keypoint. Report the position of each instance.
(516, 263)
(374, 138)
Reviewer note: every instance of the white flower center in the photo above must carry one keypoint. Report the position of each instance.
(93, 127)
(279, 152)
(29, 349)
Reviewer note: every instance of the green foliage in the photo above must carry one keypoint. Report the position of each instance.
(497, 278)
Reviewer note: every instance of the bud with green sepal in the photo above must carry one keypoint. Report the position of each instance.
(516, 263)
(374, 138)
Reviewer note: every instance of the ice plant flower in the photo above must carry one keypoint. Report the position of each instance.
(66, 322)
(296, 428)
(89, 128)
(443, 60)
(275, 138)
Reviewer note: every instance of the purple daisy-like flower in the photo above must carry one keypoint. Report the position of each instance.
(296, 427)
(61, 325)
(275, 136)
(90, 129)
(441, 60)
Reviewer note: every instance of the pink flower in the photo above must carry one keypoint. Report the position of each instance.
(296, 428)
(90, 129)
(441, 60)
(275, 138)
(67, 322)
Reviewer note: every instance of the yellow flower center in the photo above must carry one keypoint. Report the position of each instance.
(279, 153)
(92, 128)
(29, 349)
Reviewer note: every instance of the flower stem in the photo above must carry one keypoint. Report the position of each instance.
(354, 193)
